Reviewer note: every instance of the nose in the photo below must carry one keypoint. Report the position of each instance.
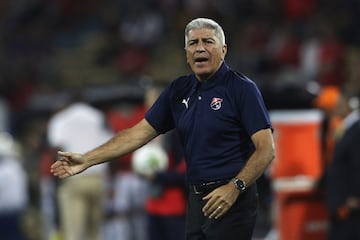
(200, 47)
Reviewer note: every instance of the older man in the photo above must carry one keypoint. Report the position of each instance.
(224, 128)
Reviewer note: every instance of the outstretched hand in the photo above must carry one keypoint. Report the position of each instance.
(68, 165)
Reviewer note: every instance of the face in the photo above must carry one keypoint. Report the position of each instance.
(204, 52)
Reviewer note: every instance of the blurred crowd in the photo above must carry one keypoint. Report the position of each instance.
(113, 50)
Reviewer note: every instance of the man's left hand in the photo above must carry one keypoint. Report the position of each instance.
(220, 200)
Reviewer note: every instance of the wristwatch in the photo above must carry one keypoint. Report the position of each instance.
(239, 184)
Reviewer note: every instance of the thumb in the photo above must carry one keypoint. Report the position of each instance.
(64, 154)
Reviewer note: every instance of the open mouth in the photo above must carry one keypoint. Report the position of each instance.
(201, 59)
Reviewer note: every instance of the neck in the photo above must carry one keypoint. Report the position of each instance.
(205, 77)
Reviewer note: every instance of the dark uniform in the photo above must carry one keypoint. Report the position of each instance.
(215, 120)
(343, 181)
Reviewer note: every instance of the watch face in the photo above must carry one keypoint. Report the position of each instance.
(239, 184)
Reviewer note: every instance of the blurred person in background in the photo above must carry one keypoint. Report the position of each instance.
(48, 203)
(166, 197)
(80, 126)
(13, 189)
(224, 128)
(327, 101)
(165, 203)
(125, 213)
(343, 178)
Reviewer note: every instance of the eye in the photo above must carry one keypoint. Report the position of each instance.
(209, 41)
(192, 42)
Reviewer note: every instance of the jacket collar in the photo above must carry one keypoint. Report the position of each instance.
(214, 79)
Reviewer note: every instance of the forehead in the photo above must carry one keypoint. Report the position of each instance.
(201, 33)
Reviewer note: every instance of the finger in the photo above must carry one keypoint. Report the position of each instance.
(55, 165)
(218, 212)
(59, 168)
(63, 172)
(208, 196)
(211, 201)
(211, 206)
(58, 164)
(59, 173)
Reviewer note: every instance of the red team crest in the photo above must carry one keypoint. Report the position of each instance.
(216, 103)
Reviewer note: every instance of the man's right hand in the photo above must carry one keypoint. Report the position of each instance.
(68, 165)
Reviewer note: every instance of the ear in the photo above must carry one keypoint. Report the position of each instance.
(224, 51)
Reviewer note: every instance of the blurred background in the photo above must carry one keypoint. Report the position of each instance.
(111, 51)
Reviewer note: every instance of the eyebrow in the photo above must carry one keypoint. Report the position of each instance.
(203, 39)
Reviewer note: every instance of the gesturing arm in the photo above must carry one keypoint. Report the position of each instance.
(122, 143)
(226, 195)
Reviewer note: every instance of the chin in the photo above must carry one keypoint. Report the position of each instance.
(201, 72)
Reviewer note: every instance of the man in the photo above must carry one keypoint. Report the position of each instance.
(343, 179)
(225, 131)
(166, 199)
(80, 126)
(13, 185)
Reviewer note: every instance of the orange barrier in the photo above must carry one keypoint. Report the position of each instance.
(298, 145)
(300, 207)
(301, 216)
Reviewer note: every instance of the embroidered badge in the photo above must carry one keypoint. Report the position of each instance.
(216, 103)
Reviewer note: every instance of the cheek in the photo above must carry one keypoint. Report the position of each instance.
(217, 57)
(188, 57)
(217, 53)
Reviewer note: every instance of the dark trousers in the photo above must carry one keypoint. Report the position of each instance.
(237, 223)
(166, 227)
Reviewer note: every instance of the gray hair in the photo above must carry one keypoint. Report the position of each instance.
(205, 23)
